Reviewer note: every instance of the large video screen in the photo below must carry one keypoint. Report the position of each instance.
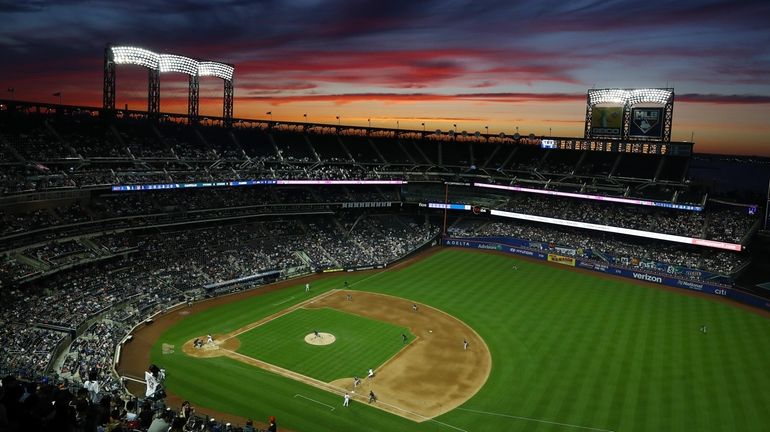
(607, 121)
(646, 122)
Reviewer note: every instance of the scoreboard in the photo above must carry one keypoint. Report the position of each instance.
(615, 146)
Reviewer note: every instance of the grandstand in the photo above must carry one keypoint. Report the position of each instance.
(108, 220)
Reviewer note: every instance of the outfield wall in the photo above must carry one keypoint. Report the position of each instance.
(516, 247)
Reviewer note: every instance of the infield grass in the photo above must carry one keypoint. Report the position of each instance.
(360, 344)
(571, 352)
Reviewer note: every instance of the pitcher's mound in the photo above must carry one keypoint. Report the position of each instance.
(321, 339)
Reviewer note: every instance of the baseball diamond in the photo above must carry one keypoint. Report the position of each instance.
(522, 325)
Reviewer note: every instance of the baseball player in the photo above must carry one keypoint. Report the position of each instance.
(210, 339)
(346, 402)
(307, 287)
(371, 374)
(465, 344)
(315, 332)
(414, 307)
(406, 339)
(356, 381)
(372, 397)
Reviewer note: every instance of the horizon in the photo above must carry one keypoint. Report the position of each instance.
(525, 66)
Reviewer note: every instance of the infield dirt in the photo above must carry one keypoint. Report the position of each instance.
(429, 377)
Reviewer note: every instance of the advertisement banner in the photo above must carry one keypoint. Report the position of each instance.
(607, 121)
(646, 123)
(569, 261)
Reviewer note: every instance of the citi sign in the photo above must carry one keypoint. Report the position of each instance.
(646, 277)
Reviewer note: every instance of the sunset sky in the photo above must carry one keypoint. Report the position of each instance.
(504, 65)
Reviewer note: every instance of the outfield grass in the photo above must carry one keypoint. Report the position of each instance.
(568, 349)
(360, 344)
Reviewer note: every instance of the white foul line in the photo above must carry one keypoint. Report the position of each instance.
(533, 419)
(305, 397)
(281, 313)
(284, 301)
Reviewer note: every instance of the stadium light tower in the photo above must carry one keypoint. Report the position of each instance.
(626, 114)
(164, 63)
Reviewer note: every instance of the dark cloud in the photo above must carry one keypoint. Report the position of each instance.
(365, 49)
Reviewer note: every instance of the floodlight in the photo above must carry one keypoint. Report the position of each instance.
(608, 96)
(219, 70)
(177, 63)
(632, 97)
(658, 96)
(135, 56)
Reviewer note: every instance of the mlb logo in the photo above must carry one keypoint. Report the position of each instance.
(645, 120)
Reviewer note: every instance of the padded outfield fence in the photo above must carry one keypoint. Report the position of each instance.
(521, 248)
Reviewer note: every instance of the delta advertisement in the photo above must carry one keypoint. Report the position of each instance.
(646, 123)
(606, 121)
(708, 288)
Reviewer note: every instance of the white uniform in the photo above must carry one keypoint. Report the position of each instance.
(307, 287)
(371, 373)
(93, 390)
(347, 400)
(211, 339)
(152, 382)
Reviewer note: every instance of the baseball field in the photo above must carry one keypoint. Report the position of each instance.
(549, 349)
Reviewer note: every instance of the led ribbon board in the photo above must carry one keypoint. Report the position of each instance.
(689, 207)
(619, 230)
(196, 185)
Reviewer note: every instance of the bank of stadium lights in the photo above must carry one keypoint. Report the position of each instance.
(177, 63)
(629, 96)
(135, 56)
(171, 63)
(613, 96)
(658, 96)
(216, 69)
(158, 64)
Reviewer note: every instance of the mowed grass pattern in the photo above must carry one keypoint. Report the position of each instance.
(570, 351)
(360, 344)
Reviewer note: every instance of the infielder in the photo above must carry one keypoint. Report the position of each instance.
(465, 344)
(371, 374)
(372, 397)
(346, 402)
(210, 339)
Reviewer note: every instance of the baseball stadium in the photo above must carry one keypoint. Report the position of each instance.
(221, 273)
